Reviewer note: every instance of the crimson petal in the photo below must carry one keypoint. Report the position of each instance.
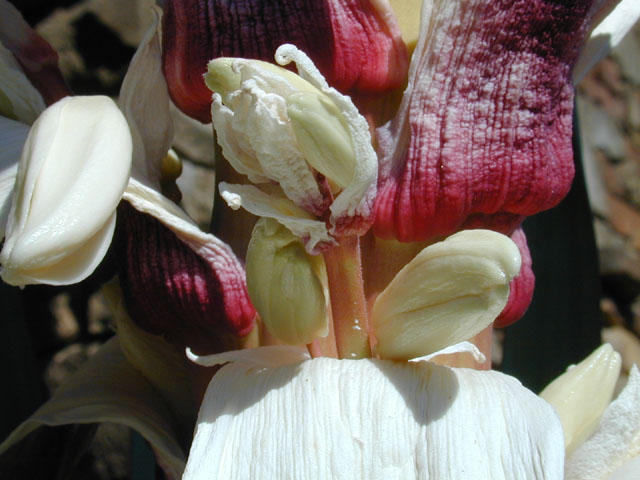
(355, 44)
(484, 131)
(171, 290)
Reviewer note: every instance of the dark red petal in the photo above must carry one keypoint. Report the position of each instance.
(485, 126)
(354, 44)
(36, 57)
(171, 290)
(521, 287)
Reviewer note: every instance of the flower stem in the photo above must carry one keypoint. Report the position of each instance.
(348, 305)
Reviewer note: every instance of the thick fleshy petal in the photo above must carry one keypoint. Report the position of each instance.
(581, 394)
(448, 293)
(606, 35)
(521, 287)
(344, 419)
(144, 100)
(108, 389)
(12, 137)
(615, 442)
(36, 57)
(73, 170)
(484, 128)
(178, 280)
(356, 45)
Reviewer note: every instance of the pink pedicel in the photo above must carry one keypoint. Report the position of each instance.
(171, 290)
(483, 136)
(355, 46)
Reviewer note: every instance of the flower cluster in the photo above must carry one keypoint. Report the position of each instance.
(389, 151)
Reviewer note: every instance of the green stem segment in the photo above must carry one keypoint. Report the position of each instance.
(348, 305)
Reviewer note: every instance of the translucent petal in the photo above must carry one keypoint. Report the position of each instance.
(12, 137)
(108, 389)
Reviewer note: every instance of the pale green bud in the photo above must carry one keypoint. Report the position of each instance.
(221, 78)
(582, 393)
(286, 285)
(323, 136)
(448, 293)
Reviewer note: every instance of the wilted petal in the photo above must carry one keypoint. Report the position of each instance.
(485, 125)
(144, 100)
(607, 34)
(581, 394)
(299, 222)
(448, 293)
(36, 57)
(12, 137)
(178, 280)
(374, 419)
(616, 440)
(357, 45)
(108, 389)
(73, 170)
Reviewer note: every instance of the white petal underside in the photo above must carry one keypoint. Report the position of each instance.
(373, 419)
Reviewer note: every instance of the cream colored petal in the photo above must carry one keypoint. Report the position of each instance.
(351, 419)
(263, 357)
(144, 100)
(18, 98)
(12, 137)
(628, 471)
(581, 394)
(449, 292)
(356, 199)
(74, 167)
(462, 347)
(616, 440)
(108, 389)
(606, 36)
(299, 222)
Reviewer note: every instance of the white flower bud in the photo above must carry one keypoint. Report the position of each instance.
(286, 285)
(448, 293)
(73, 170)
(581, 394)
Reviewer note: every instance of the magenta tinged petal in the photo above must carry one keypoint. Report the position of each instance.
(485, 125)
(355, 44)
(521, 287)
(169, 289)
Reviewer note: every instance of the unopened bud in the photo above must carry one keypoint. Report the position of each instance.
(448, 293)
(286, 285)
(581, 394)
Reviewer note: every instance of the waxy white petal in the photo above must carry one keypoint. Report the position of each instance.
(581, 394)
(616, 440)
(350, 419)
(606, 35)
(108, 389)
(448, 293)
(144, 100)
(299, 222)
(12, 137)
(18, 97)
(74, 167)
